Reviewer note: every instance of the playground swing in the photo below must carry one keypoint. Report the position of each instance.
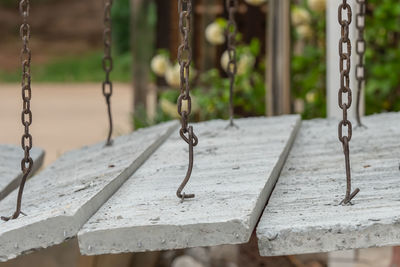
(236, 170)
(217, 216)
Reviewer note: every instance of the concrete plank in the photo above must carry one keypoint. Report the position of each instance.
(60, 199)
(303, 214)
(10, 166)
(233, 175)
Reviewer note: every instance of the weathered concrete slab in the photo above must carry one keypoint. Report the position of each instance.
(234, 173)
(10, 166)
(63, 197)
(303, 215)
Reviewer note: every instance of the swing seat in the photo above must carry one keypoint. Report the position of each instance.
(303, 214)
(10, 166)
(234, 172)
(60, 199)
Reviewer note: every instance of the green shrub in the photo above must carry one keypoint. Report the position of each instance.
(382, 60)
(210, 91)
(383, 56)
(121, 26)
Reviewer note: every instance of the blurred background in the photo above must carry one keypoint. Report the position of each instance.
(69, 109)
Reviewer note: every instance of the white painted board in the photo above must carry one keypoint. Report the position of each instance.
(10, 166)
(303, 214)
(60, 199)
(233, 175)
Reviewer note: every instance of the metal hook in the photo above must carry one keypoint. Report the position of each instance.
(349, 196)
(19, 199)
(192, 141)
(231, 124)
(109, 141)
(360, 125)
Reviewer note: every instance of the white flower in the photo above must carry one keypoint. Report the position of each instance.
(224, 60)
(317, 5)
(169, 108)
(215, 34)
(172, 76)
(245, 62)
(172, 108)
(255, 2)
(300, 16)
(311, 97)
(160, 64)
(304, 31)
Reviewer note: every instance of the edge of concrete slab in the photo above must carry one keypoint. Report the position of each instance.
(321, 238)
(38, 159)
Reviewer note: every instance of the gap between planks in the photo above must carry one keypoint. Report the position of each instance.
(234, 173)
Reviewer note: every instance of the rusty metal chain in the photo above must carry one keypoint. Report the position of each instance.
(231, 31)
(26, 115)
(108, 65)
(345, 91)
(360, 49)
(185, 59)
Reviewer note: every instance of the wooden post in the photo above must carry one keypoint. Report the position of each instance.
(332, 57)
(143, 45)
(278, 63)
(163, 24)
(204, 53)
(174, 30)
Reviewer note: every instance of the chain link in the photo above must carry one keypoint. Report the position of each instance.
(26, 115)
(360, 49)
(107, 86)
(185, 59)
(231, 31)
(345, 92)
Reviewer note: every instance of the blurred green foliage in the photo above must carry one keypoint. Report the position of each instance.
(383, 56)
(309, 63)
(211, 88)
(382, 59)
(121, 26)
(210, 91)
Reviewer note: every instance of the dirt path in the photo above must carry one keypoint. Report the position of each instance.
(64, 116)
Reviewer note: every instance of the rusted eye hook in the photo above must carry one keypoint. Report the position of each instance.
(192, 140)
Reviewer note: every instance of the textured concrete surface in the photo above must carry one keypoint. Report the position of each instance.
(10, 166)
(233, 175)
(303, 214)
(59, 200)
